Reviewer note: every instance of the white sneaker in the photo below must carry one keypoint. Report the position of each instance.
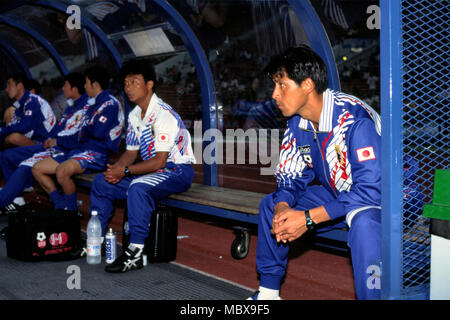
(255, 296)
(20, 201)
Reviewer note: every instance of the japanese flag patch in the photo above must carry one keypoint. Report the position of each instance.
(28, 112)
(163, 137)
(365, 154)
(102, 119)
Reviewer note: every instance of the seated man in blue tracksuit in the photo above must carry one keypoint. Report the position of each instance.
(156, 133)
(35, 88)
(335, 138)
(99, 137)
(16, 163)
(33, 120)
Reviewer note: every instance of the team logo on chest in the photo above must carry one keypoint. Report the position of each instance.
(305, 152)
(339, 155)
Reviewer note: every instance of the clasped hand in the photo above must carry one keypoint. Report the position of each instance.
(49, 143)
(114, 173)
(288, 224)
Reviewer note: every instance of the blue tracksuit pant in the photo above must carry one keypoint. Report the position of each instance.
(364, 240)
(141, 193)
(17, 177)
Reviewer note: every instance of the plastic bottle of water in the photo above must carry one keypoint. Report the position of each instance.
(94, 240)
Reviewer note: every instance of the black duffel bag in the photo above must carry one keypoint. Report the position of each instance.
(161, 243)
(43, 235)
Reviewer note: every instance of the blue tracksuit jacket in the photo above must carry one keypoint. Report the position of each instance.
(344, 154)
(103, 125)
(68, 127)
(33, 117)
(161, 130)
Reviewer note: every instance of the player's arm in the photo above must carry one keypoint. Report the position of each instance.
(103, 122)
(31, 117)
(165, 130)
(364, 156)
(292, 173)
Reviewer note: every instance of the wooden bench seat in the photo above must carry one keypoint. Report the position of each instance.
(223, 202)
(228, 203)
(225, 198)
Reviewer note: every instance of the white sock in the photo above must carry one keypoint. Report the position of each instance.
(19, 201)
(132, 246)
(268, 294)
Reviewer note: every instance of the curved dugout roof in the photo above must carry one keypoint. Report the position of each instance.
(108, 23)
(39, 38)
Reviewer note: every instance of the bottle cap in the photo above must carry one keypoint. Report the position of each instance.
(110, 230)
(94, 213)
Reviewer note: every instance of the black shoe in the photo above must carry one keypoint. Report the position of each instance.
(129, 260)
(11, 208)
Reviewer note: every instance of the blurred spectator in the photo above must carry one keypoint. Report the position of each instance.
(372, 83)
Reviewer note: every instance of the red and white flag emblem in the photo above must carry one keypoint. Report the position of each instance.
(102, 119)
(366, 153)
(163, 137)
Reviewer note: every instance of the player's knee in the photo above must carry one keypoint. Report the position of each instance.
(267, 203)
(136, 190)
(366, 221)
(99, 181)
(36, 170)
(100, 185)
(63, 173)
(266, 206)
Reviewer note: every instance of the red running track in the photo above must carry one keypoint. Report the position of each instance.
(311, 274)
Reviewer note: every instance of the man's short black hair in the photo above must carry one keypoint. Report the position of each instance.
(76, 79)
(19, 77)
(99, 74)
(136, 67)
(299, 63)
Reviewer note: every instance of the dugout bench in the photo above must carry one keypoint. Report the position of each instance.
(231, 204)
